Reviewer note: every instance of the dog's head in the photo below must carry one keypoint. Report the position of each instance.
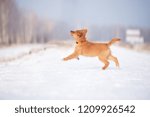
(79, 35)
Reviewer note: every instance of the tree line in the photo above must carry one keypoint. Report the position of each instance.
(19, 27)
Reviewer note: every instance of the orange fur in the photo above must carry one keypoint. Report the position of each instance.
(86, 48)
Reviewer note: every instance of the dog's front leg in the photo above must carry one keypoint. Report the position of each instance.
(72, 56)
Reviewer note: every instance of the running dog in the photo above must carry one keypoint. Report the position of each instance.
(86, 48)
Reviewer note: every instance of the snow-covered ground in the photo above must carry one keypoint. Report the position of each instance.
(16, 50)
(43, 75)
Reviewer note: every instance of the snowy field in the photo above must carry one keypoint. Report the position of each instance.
(43, 75)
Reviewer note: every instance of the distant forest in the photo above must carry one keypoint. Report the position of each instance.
(18, 27)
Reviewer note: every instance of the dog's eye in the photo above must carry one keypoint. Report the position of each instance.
(79, 34)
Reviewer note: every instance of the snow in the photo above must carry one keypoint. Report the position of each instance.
(43, 75)
(15, 50)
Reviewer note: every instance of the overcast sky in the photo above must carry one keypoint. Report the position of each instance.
(97, 12)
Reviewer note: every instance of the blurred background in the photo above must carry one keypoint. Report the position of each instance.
(35, 37)
(40, 21)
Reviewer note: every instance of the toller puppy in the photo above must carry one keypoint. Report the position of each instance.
(86, 48)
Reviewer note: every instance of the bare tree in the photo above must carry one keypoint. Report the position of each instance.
(9, 15)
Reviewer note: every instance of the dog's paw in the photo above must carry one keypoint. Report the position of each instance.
(103, 68)
(64, 59)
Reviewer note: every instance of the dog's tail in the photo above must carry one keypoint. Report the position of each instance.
(113, 41)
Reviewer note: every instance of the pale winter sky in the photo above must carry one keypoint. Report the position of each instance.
(97, 12)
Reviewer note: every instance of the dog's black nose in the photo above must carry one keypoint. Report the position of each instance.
(71, 31)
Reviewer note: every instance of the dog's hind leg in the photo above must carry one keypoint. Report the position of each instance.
(105, 61)
(114, 59)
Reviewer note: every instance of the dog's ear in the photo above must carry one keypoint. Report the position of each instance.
(85, 30)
